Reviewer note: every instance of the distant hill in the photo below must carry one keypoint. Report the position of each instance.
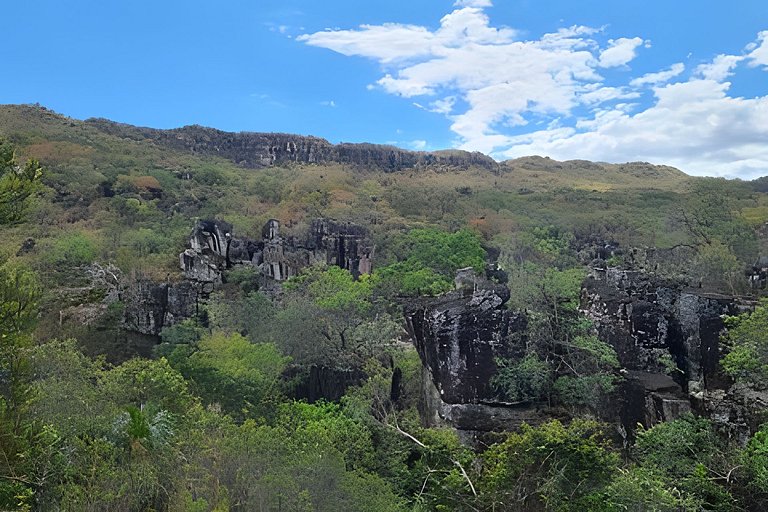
(27, 123)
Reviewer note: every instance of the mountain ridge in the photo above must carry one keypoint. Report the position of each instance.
(265, 149)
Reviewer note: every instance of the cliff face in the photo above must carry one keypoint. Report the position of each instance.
(666, 337)
(648, 321)
(459, 336)
(256, 150)
(212, 249)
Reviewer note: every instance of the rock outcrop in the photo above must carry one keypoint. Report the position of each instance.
(150, 306)
(213, 248)
(459, 336)
(659, 327)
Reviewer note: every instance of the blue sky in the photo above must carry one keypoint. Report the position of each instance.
(679, 82)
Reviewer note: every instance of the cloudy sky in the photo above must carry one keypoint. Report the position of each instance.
(683, 83)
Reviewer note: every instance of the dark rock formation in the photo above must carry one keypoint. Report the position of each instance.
(459, 336)
(656, 323)
(150, 306)
(256, 150)
(343, 244)
(27, 246)
(649, 320)
(213, 248)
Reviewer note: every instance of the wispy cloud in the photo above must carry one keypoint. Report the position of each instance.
(659, 77)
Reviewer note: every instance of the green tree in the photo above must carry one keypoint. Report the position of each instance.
(19, 294)
(553, 467)
(747, 343)
(427, 260)
(244, 378)
(688, 454)
(17, 184)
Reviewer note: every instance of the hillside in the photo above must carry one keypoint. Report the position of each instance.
(192, 319)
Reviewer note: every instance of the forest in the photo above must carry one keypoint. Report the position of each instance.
(311, 392)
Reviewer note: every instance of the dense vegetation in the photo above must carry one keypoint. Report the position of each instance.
(215, 417)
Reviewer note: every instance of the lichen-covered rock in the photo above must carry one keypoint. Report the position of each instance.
(460, 335)
(650, 321)
(212, 248)
(150, 306)
(653, 323)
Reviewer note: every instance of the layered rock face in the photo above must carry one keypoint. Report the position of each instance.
(459, 336)
(150, 306)
(212, 249)
(650, 320)
(654, 324)
(256, 150)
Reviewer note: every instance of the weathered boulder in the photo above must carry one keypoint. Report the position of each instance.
(458, 337)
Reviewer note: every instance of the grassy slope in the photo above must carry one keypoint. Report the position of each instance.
(634, 202)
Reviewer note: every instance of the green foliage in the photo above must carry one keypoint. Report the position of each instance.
(185, 332)
(754, 460)
(410, 278)
(747, 341)
(584, 390)
(710, 216)
(641, 490)
(553, 466)
(719, 269)
(688, 454)
(20, 291)
(72, 250)
(17, 184)
(242, 377)
(429, 258)
(675, 447)
(526, 380)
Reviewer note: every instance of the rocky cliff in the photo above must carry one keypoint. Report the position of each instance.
(255, 150)
(212, 248)
(667, 337)
(459, 336)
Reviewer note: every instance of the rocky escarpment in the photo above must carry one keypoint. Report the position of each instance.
(255, 150)
(459, 336)
(667, 337)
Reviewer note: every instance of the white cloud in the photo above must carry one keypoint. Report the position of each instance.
(604, 94)
(659, 77)
(394, 42)
(619, 52)
(720, 68)
(693, 125)
(443, 106)
(418, 145)
(329, 103)
(493, 85)
(759, 54)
